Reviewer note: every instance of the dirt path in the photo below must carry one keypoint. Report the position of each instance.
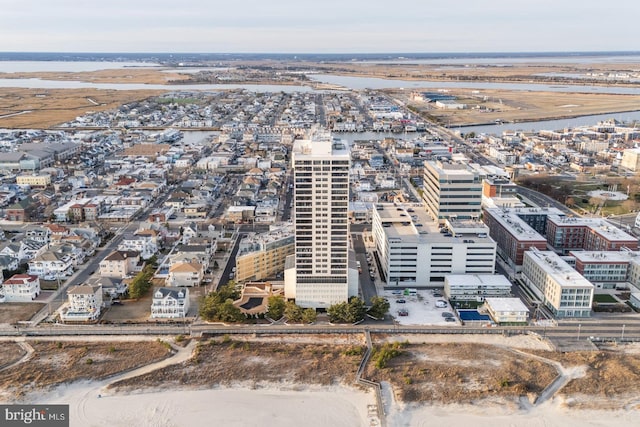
(100, 389)
(564, 376)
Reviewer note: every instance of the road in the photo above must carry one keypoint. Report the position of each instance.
(367, 287)
(542, 200)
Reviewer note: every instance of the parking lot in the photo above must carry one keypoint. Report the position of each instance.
(421, 309)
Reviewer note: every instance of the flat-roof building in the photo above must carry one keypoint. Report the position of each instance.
(566, 234)
(451, 190)
(414, 251)
(512, 235)
(558, 286)
(476, 287)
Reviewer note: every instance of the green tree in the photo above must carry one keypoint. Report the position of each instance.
(227, 312)
(293, 312)
(309, 315)
(347, 312)
(218, 306)
(276, 308)
(379, 307)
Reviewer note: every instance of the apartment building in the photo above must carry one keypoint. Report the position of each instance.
(513, 236)
(21, 288)
(604, 269)
(84, 304)
(34, 181)
(566, 234)
(263, 256)
(558, 286)
(322, 275)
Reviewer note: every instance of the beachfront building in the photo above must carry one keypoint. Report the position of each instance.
(21, 288)
(84, 304)
(263, 256)
(556, 285)
(513, 236)
(170, 303)
(507, 311)
(566, 234)
(322, 274)
(414, 252)
(476, 287)
(452, 189)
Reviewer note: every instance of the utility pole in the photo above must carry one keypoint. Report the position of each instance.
(622, 334)
(579, 326)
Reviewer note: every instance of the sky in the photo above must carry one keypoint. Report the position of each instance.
(318, 26)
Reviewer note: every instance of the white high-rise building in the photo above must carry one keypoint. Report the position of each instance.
(319, 275)
(452, 189)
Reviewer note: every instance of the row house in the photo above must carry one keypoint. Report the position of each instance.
(170, 303)
(21, 288)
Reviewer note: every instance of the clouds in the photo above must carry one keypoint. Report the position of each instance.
(315, 26)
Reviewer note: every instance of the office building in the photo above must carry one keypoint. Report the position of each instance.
(452, 189)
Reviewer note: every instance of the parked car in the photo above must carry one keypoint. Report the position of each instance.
(403, 312)
(441, 303)
(447, 314)
(449, 319)
(401, 301)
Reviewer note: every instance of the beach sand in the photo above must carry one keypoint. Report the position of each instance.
(229, 407)
(294, 406)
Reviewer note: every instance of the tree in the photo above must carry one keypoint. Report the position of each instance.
(309, 315)
(227, 312)
(276, 306)
(347, 312)
(218, 306)
(379, 307)
(293, 312)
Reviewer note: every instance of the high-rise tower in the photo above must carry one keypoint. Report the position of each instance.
(321, 202)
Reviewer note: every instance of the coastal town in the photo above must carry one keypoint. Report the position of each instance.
(200, 214)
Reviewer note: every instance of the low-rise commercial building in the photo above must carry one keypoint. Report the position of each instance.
(507, 310)
(476, 287)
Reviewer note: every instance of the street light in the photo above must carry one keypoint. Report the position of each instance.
(579, 326)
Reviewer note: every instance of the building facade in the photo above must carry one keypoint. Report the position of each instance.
(321, 276)
(84, 304)
(451, 190)
(416, 253)
(170, 303)
(21, 288)
(558, 286)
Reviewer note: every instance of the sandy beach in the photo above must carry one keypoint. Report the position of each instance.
(232, 407)
(311, 407)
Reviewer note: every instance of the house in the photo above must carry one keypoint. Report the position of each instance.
(84, 304)
(140, 243)
(8, 263)
(185, 274)
(51, 265)
(120, 264)
(169, 303)
(21, 288)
